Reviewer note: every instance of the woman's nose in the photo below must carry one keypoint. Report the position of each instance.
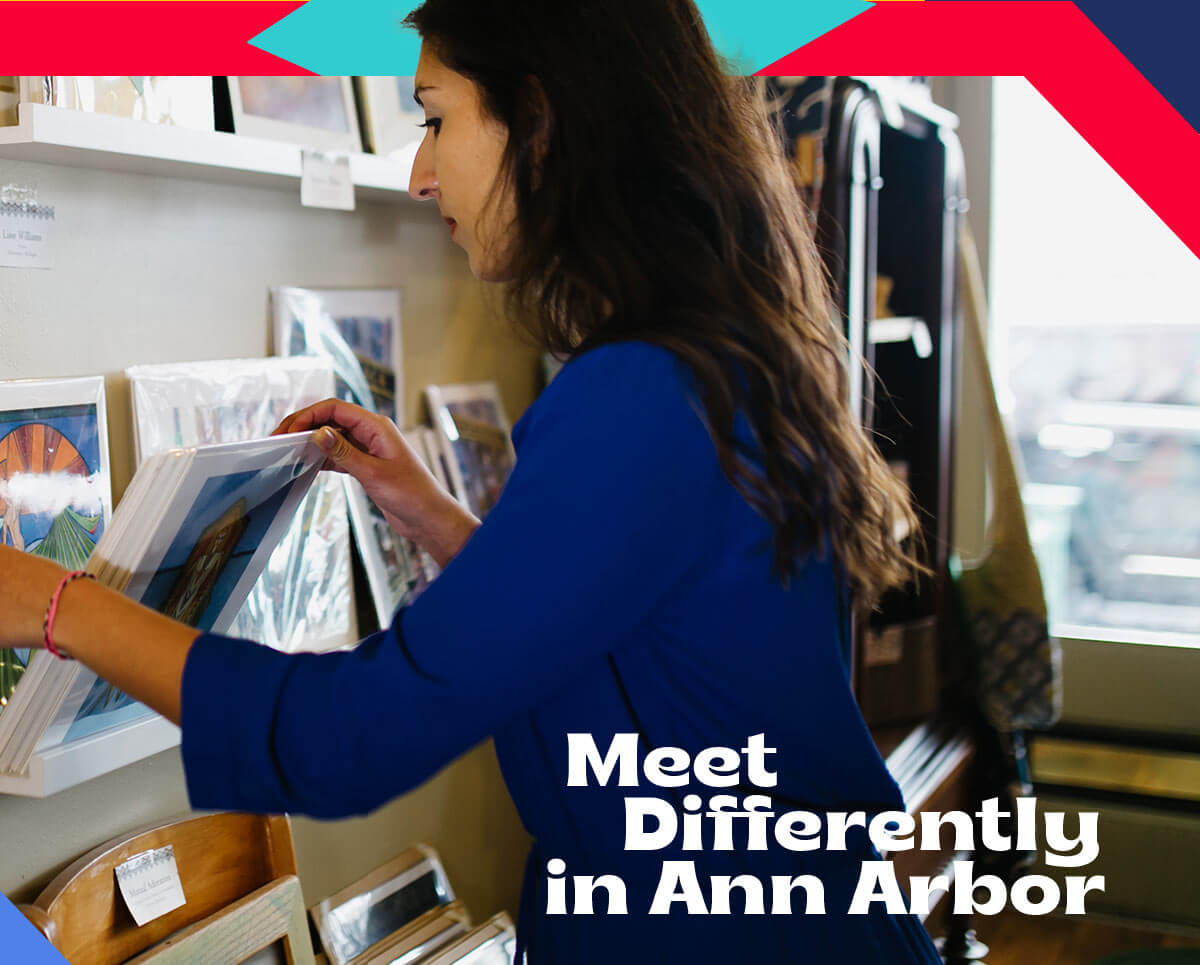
(423, 183)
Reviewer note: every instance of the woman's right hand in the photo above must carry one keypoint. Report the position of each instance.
(371, 449)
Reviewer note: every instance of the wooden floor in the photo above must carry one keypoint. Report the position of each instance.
(1014, 939)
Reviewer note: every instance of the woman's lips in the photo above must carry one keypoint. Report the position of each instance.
(452, 224)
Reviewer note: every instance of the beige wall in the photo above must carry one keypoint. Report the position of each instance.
(156, 269)
(971, 99)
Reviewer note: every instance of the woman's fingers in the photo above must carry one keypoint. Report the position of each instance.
(372, 433)
(341, 455)
(321, 413)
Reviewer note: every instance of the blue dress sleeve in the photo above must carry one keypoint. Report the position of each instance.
(602, 517)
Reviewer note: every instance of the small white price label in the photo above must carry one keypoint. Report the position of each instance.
(26, 235)
(150, 884)
(325, 181)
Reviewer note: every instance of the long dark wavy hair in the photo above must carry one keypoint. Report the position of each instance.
(653, 202)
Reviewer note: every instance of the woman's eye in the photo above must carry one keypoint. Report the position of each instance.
(435, 123)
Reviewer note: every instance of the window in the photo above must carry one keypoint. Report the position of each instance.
(1096, 348)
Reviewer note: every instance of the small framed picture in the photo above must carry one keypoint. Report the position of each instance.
(391, 117)
(316, 112)
(419, 939)
(473, 433)
(492, 943)
(392, 896)
(367, 321)
(358, 330)
(55, 490)
(175, 101)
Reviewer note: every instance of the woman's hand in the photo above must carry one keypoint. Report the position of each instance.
(371, 449)
(26, 585)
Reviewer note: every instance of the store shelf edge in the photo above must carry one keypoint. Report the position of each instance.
(56, 135)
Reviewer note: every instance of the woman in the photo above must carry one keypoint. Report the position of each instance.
(692, 506)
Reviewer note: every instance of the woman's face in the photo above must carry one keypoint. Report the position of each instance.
(459, 162)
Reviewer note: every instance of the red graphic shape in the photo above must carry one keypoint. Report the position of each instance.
(142, 37)
(1062, 53)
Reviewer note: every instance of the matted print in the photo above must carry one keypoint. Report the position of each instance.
(392, 118)
(383, 901)
(316, 112)
(367, 323)
(304, 598)
(222, 532)
(474, 434)
(492, 943)
(206, 554)
(312, 322)
(55, 494)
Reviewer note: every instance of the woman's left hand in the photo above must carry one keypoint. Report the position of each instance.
(26, 585)
(369, 447)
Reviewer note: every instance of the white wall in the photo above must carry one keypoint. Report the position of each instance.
(155, 269)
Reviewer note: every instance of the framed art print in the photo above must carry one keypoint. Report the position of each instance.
(178, 101)
(202, 539)
(225, 516)
(391, 116)
(473, 432)
(367, 326)
(358, 330)
(419, 939)
(492, 943)
(392, 896)
(304, 599)
(315, 112)
(55, 490)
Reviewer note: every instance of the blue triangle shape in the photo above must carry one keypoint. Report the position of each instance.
(365, 37)
(21, 941)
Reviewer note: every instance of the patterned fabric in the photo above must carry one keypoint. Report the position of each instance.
(1017, 669)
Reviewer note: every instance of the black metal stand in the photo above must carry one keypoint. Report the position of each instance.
(961, 946)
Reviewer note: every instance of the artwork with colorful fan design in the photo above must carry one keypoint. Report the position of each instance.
(51, 495)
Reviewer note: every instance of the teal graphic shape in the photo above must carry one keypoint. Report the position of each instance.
(365, 37)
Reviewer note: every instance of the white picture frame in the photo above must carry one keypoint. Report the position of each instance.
(365, 318)
(492, 943)
(314, 321)
(415, 942)
(315, 112)
(183, 504)
(304, 599)
(360, 916)
(169, 510)
(475, 438)
(391, 117)
(176, 101)
(77, 409)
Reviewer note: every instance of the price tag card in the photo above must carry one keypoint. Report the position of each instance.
(325, 181)
(150, 884)
(26, 235)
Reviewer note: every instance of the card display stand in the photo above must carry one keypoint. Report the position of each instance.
(237, 871)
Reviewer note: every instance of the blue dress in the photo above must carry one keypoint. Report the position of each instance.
(620, 586)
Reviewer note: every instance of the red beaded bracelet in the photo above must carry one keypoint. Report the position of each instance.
(52, 612)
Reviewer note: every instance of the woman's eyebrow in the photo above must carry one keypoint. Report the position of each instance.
(417, 92)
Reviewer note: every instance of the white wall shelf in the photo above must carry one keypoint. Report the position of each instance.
(65, 766)
(56, 135)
